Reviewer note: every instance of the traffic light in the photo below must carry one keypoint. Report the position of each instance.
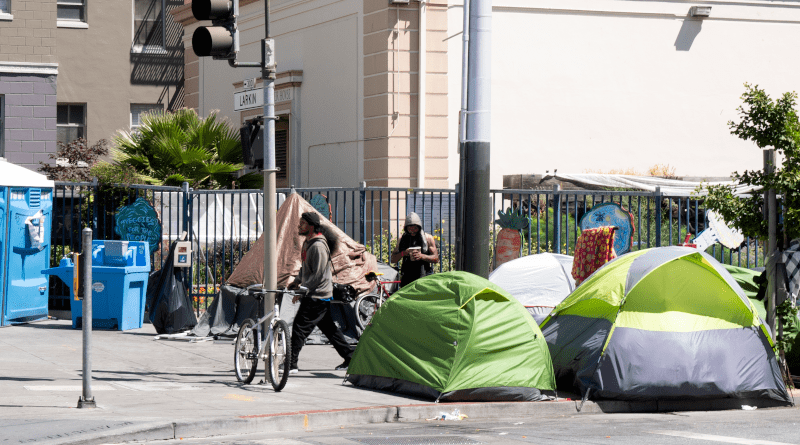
(220, 41)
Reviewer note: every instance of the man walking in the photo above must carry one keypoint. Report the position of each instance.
(315, 274)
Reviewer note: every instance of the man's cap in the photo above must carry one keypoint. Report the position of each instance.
(311, 218)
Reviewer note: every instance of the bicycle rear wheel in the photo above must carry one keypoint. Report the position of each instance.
(366, 306)
(245, 358)
(280, 356)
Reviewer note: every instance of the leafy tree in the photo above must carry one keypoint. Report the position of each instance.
(175, 147)
(76, 158)
(768, 123)
(113, 173)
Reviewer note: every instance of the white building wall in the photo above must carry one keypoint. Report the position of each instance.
(321, 38)
(603, 84)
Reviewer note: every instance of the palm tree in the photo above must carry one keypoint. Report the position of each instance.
(171, 148)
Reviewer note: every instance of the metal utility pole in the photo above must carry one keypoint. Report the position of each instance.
(86, 400)
(474, 203)
(270, 171)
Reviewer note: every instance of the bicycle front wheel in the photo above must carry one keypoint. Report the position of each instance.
(245, 358)
(366, 306)
(280, 356)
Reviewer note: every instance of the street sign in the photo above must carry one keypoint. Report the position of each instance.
(250, 83)
(245, 100)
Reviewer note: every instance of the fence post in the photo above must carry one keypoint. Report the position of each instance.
(557, 213)
(94, 203)
(772, 241)
(187, 219)
(657, 197)
(186, 203)
(362, 211)
(459, 217)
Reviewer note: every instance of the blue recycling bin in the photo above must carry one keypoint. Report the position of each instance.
(120, 270)
(26, 207)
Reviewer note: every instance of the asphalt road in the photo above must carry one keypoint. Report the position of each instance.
(759, 427)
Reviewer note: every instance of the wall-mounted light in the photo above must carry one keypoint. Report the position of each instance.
(700, 11)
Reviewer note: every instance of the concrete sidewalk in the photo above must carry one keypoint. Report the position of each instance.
(163, 389)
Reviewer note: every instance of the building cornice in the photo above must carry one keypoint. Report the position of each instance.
(29, 68)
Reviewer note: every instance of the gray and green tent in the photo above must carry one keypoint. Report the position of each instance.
(662, 324)
(453, 336)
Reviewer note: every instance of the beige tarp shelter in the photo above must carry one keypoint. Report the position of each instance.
(351, 260)
(233, 305)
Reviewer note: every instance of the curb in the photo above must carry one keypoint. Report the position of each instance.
(144, 431)
(308, 420)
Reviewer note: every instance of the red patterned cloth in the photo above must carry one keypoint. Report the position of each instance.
(594, 248)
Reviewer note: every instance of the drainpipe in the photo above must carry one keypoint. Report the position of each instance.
(462, 116)
(421, 93)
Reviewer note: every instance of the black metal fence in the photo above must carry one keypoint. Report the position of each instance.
(223, 224)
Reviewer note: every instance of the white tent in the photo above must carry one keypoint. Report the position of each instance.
(217, 221)
(215, 217)
(539, 282)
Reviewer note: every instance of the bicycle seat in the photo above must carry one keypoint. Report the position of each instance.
(372, 275)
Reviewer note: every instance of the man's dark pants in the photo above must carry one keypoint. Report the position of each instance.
(314, 312)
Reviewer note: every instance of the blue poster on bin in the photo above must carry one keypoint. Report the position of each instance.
(139, 222)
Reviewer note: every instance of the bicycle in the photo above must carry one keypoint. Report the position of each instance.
(249, 347)
(367, 305)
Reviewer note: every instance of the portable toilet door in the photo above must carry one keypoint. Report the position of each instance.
(3, 238)
(28, 208)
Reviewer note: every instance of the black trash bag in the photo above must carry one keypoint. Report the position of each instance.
(229, 309)
(170, 307)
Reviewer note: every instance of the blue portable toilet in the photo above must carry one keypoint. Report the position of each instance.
(26, 210)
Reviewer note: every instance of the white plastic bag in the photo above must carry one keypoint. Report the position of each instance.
(455, 415)
(36, 230)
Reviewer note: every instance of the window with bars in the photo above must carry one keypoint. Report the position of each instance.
(148, 25)
(71, 10)
(139, 110)
(70, 122)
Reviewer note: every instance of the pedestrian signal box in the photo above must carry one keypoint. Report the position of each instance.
(183, 254)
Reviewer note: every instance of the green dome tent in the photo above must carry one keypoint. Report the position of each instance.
(748, 279)
(453, 336)
(662, 324)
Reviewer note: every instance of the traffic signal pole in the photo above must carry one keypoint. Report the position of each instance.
(473, 249)
(221, 41)
(270, 171)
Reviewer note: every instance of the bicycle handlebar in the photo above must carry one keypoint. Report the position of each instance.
(301, 291)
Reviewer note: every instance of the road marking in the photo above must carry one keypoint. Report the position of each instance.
(156, 386)
(714, 438)
(77, 388)
(239, 397)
